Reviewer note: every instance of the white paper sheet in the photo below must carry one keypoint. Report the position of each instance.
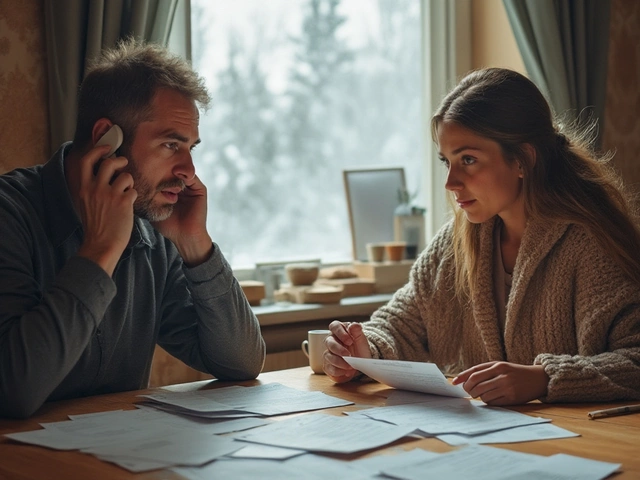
(185, 448)
(176, 410)
(77, 434)
(123, 437)
(487, 463)
(137, 466)
(269, 399)
(326, 433)
(243, 469)
(303, 467)
(377, 464)
(255, 450)
(415, 376)
(527, 433)
(571, 467)
(403, 397)
(212, 426)
(450, 415)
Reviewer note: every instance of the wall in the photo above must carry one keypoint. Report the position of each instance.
(23, 92)
(622, 110)
(495, 45)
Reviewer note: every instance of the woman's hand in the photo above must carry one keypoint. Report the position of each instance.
(503, 383)
(346, 339)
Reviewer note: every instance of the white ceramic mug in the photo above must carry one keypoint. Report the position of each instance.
(314, 348)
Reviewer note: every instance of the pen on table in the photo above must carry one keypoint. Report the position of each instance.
(612, 412)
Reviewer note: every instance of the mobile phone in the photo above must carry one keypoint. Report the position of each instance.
(113, 138)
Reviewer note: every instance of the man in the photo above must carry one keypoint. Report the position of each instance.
(100, 259)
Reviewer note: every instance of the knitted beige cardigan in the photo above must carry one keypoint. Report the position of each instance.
(570, 310)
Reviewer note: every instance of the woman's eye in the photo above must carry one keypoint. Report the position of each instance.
(468, 160)
(444, 161)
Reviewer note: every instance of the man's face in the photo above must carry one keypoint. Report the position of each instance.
(146, 206)
(160, 157)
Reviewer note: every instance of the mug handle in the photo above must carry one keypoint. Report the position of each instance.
(305, 347)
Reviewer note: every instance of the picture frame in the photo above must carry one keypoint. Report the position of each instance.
(372, 196)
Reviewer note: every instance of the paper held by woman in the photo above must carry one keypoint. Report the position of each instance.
(415, 376)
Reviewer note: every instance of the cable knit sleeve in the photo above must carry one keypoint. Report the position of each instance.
(607, 329)
(398, 330)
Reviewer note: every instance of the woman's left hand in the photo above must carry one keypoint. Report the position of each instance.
(504, 383)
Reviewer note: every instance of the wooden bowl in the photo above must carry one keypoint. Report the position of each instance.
(302, 273)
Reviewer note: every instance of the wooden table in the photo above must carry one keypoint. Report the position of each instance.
(614, 439)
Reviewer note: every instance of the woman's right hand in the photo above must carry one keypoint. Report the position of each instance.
(346, 340)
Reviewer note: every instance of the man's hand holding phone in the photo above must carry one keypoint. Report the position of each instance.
(106, 207)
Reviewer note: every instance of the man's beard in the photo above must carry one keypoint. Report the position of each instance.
(144, 206)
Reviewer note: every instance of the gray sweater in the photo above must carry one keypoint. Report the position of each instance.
(67, 329)
(570, 309)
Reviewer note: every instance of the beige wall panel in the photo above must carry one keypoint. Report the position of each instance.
(493, 42)
(622, 114)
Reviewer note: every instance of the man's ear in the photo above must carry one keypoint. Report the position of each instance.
(100, 128)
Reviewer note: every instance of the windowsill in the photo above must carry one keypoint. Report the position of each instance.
(284, 312)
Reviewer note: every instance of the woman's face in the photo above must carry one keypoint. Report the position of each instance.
(483, 182)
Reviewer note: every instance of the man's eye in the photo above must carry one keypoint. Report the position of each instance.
(171, 145)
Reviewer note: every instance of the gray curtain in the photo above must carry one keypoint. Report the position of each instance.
(77, 30)
(564, 46)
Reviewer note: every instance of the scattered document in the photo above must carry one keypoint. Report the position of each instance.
(75, 435)
(246, 469)
(150, 438)
(375, 465)
(141, 418)
(326, 433)
(450, 415)
(416, 376)
(488, 463)
(184, 448)
(255, 450)
(303, 467)
(527, 433)
(213, 415)
(403, 397)
(267, 400)
(123, 437)
(138, 466)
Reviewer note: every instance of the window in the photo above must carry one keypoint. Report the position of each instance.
(302, 89)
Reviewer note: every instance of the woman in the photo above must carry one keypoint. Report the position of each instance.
(532, 291)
